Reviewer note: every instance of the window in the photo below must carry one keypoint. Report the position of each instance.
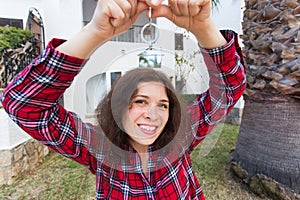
(18, 23)
(114, 76)
(150, 58)
(178, 41)
(88, 8)
(96, 88)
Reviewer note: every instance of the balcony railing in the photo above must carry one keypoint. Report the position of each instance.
(12, 61)
(132, 35)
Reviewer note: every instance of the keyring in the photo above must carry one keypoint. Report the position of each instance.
(150, 32)
(153, 29)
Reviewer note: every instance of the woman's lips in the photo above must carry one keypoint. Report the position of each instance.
(148, 129)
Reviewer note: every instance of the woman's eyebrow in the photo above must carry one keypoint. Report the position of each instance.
(140, 95)
(147, 97)
(164, 100)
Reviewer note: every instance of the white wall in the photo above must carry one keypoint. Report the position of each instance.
(11, 135)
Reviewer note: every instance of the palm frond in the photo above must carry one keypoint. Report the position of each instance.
(215, 3)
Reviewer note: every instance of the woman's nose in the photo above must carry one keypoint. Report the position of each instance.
(151, 112)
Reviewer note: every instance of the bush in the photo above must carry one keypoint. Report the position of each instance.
(10, 37)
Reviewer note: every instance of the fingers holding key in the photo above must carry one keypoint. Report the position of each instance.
(188, 14)
(186, 7)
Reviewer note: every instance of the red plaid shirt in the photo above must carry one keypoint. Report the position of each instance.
(31, 100)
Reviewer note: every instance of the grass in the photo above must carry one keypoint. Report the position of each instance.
(213, 171)
(58, 178)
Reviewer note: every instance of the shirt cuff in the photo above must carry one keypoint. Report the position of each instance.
(226, 52)
(52, 57)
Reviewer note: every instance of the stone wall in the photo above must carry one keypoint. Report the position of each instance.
(260, 184)
(20, 159)
(235, 116)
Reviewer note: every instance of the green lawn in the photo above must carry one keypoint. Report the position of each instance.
(57, 178)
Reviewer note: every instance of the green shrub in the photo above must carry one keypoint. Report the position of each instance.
(10, 37)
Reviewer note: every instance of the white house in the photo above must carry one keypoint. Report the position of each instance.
(63, 18)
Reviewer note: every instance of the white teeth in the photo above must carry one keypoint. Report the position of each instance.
(148, 128)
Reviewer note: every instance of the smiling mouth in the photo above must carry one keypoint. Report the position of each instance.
(149, 130)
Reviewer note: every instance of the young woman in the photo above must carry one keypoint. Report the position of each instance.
(141, 147)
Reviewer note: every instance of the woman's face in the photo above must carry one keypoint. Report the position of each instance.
(147, 114)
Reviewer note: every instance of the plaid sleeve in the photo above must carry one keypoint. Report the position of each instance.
(31, 101)
(227, 82)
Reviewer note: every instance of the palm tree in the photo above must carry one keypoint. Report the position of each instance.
(267, 154)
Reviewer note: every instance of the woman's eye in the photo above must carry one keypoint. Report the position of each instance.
(163, 106)
(140, 102)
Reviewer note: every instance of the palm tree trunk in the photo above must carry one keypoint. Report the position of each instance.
(269, 141)
(267, 154)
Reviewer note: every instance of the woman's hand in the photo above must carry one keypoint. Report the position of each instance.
(193, 15)
(113, 17)
(188, 14)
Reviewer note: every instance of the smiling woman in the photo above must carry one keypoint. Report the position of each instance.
(147, 115)
(141, 146)
(141, 100)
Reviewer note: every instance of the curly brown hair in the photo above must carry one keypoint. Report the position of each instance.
(110, 110)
